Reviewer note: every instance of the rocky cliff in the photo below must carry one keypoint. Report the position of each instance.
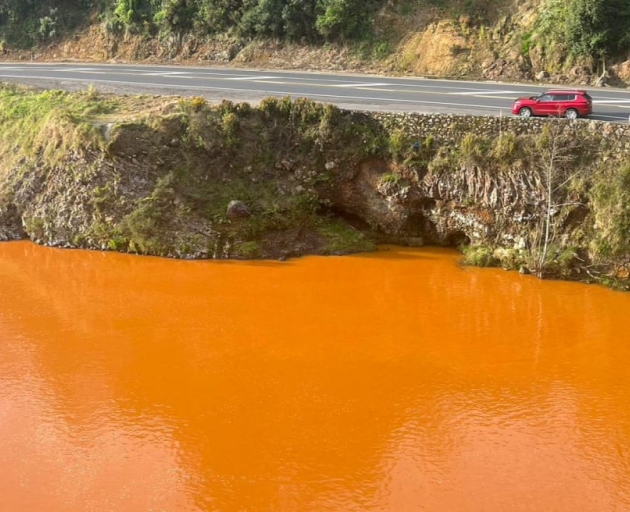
(180, 178)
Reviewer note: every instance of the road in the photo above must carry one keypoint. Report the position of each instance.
(365, 92)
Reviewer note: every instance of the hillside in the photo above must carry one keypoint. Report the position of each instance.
(571, 41)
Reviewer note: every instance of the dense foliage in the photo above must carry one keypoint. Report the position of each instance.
(294, 19)
(30, 21)
(593, 28)
(26, 22)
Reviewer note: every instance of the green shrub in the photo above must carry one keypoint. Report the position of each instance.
(444, 160)
(249, 249)
(592, 28)
(127, 11)
(272, 106)
(331, 117)
(144, 226)
(610, 202)
(390, 177)
(381, 49)
(342, 238)
(480, 256)
(399, 143)
(347, 19)
(231, 128)
(504, 148)
(473, 149)
(48, 26)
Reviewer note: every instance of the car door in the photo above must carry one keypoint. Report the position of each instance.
(561, 102)
(546, 105)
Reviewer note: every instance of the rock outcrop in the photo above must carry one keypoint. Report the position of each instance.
(313, 179)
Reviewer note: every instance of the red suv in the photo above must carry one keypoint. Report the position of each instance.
(570, 104)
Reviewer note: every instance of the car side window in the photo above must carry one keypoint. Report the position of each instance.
(561, 97)
(546, 97)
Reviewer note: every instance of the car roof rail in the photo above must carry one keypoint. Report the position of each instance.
(565, 91)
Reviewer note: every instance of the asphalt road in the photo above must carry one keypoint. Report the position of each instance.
(365, 92)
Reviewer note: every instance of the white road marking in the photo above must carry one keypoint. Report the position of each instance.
(254, 78)
(360, 85)
(596, 116)
(482, 93)
(609, 102)
(75, 70)
(148, 71)
(166, 73)
(438, 85)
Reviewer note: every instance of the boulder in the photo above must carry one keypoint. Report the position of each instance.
(237, 210)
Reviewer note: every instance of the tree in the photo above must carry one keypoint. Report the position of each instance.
(176, 15)
(294, 19)
(347, 19)
(217, 16)
(554, 155)
(263, 17)
(597, 28)
(300, 17)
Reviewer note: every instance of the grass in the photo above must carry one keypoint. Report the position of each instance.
(249, 249)
(50, 122)
(54, 122)
(610, 200)
(480, 256)
(342, 238)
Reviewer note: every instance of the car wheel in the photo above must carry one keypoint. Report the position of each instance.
(571, 114)
(525, 112)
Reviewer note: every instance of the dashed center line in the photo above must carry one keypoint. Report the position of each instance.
(167, 73)
(361, 85)
(74, 70)
(253, 78)
(484, 93)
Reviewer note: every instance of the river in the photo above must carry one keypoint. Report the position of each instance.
(395, 381)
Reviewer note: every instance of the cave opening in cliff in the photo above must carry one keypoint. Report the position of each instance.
(457, 239)
(349, 218)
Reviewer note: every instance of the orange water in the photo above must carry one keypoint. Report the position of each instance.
(389, 382)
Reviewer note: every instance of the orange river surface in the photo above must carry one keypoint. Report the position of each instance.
(396, 381)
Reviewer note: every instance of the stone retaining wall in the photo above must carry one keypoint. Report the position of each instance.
(449, 129)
